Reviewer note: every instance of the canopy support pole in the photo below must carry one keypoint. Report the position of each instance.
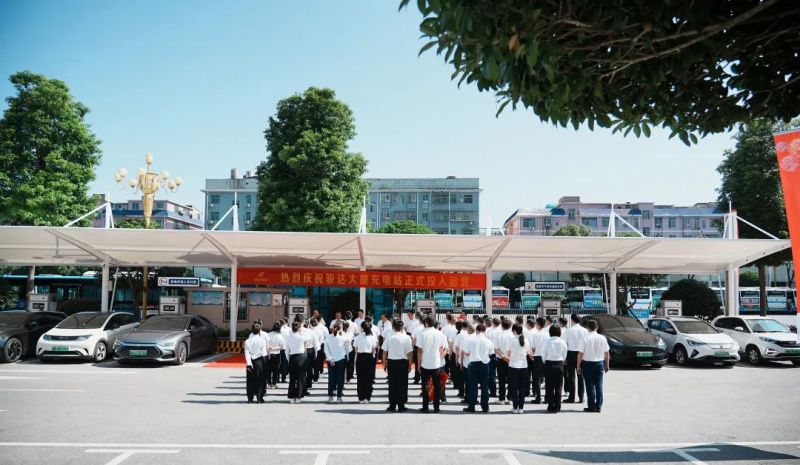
(488, 292)
(731, 309)
(362, 296)
(234, 315)
(612, 293)
(104, 289)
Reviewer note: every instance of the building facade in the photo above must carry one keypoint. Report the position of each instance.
(652, 220)
(447, 205)
(166, 213)
(222, 193)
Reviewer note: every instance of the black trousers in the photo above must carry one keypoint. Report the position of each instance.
(517, 381)
(456, 374)
(398, 382)
(431, 376)
(311, 362)
(273, 373)
(529, 381)
(297, 375)
(256, 381)
(493, 376)
(416, 366)
(351, 365)
(502, 378)
(365, 371)
(284, 368)
(553, 381)
(537, 375)
(571, 372)
(319, 363)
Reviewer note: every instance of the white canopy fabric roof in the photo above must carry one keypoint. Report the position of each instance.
(38, 245)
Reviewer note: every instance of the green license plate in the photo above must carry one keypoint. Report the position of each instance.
(644, 354)
(60, 349)
(793, 351)
(721, 353)
(138, 353)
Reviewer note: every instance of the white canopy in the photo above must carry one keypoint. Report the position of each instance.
(37, 245)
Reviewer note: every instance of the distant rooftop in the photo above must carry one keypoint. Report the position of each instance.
(450, 182)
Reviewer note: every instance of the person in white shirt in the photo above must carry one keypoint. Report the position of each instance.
(593, 359)
(411, 324)
(516, 354)
(366, 344)
(315, 314)
(255, 348)
(397, 358)
(538, 338)
(311, 352)
(431, 348)
(318, 325)
(297, 345)
(530, 327)
(285, 331)
(337, 318)
(501, 340)
(275, 347)
(554, 353)
(456, 372)
(476, 353)
(358, 320)
(492, 332)
(352, 332)
(337, 348)
(573, 336)
(463, 342)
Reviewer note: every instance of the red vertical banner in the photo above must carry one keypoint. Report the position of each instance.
(787, 146)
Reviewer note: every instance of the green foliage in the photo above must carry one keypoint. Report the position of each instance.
(748, 279)
(310, 182)
(512, 281)
(573, 230)
(404, 227)
(698, 299)
(47, 154)
(135, 223)
(692, 67)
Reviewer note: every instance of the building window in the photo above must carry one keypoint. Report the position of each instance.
(548, 222)
(213, 200)
(467, 198)
(385, 216)
(705, 224)
(453, 198)
(371, 208)
(453, 231)
(635, 222)
(440, 217)
(645, 214)
(135, 206)
(426, 198)
(529, 223)
(646, 231)
(425, 216)
(590, 222)
(440, 197)
(247, 216)
(386, 198)
(571, 214)
(405, 216)
(249, 200)
(605, 222)
(659, 223)
(671, 223)
(412, 198)
(213, 216)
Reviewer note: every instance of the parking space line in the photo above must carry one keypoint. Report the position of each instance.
(506, 454)
(125, 454)
(322, 455)
(206, 359)
(683, 453)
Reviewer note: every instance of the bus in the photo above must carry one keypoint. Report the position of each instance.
(472, 300)
(500, 297)
(530, 300)
(640, 298)
(444, 299)
(585, 298)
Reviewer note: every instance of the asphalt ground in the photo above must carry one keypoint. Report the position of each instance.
(78, 413)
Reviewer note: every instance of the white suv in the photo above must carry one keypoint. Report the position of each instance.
(761, 338)
(693, 340)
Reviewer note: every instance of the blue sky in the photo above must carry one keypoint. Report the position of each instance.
(194, 82)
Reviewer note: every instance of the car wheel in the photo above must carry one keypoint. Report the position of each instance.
(753, 355)
(100, 352)
(13, 350)
(181, 354)
(681, 357)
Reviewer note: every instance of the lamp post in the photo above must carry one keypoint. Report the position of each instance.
(148, 183)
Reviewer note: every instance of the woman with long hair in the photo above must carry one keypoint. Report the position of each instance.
(516, 355)
(297, 345)
(365, 345)
(275, 348)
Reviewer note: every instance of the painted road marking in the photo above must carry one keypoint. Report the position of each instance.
(645, 447)
(506, 454)
(125, 454)
(684, 453)
(207, 359)
(41, 390)
(322, 455)
(72, 372)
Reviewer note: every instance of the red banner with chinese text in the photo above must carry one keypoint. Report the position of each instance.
(358, 278)
(787, 146)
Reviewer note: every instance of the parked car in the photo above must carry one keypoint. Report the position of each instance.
(760, 338)
(630, 343)
(85, 336)
(167, 338)
(19, 331)
(694, 340)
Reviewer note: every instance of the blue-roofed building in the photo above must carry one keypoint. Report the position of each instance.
(166, 213)
(448, 205)
(652, 220)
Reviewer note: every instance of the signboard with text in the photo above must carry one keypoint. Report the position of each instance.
(545, 286)
(178, 282)
(358, 278)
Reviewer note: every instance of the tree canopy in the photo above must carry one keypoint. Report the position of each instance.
(404, 227)
(309, 181)
(48, 155)
(697, 298)
(692, 67)
(573, 230)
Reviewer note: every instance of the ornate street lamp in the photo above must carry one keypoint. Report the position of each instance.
(148, 183)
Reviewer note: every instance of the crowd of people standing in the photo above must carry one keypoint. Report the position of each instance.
(483, 357)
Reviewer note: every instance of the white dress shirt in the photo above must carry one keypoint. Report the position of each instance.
(397, 346)
(410, 325)
(275, 342)
(450, 332)
(333, 322)
(366, 344)
(254, 347)
(594, 347)
(479, 347)
(519, 354)
(537, 341)
(574, 335)
(502, 338)
(322, 332)
(458, 340)
(555, 350)
(297, 343)
(337, 346)
(430, 340)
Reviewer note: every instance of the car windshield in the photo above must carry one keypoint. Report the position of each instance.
(84, 321)
(694, 327)
(618, 323)
(766, 325)
(163, 324)
(13, 320)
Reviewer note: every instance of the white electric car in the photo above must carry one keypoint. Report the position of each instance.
(693, 340)
(85, 336)
(760, 338)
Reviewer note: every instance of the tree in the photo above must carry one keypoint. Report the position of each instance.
(47, 155)
(748, 279)
(697, 298)
(751, 182)
(309, 181)
(692, 67)
(513, 281)
(573, 230)
(403, 227)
